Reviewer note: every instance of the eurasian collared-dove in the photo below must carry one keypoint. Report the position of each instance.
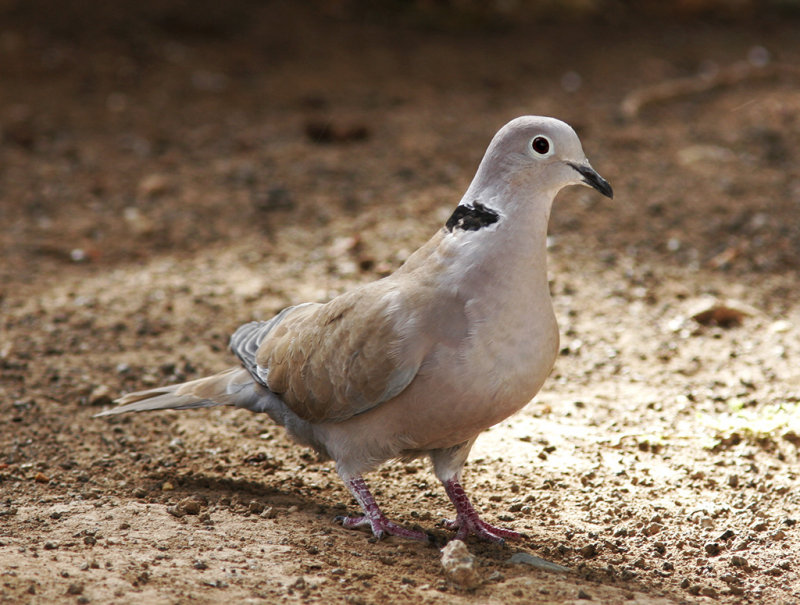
(460, 337)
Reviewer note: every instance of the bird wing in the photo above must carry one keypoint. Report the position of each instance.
(330, 362)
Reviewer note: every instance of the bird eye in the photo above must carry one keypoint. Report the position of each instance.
(541, 145)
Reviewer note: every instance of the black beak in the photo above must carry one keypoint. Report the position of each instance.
(591, 178)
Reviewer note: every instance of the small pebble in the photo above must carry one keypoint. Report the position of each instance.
(459, 565)
(256, 507)
(75, 588)
(268, 513)
(175, 511)
(190, 505)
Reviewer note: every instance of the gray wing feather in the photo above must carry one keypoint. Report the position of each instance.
(247, 338)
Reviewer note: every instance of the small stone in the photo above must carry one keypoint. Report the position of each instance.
(190, 506)
(75, 588)
(582, 594)
(100, 395)
(733, 481)
(459, 565)
(778, 535)
(653, 529)
(123, 368)
(268, 513)
(256, 507)
(175, 511)
(40, 477)
(200, 565)
(167, 486)
(153, 185)
(722, 315)
(739, 561)
(50, 545)
(712, 549)
(589, 551)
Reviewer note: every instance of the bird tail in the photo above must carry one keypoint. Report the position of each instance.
(234, 386)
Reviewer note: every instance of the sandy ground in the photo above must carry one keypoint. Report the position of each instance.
(166, 176)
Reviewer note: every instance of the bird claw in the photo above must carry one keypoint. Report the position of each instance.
(477, 527)
(381, 527)
(467, 521)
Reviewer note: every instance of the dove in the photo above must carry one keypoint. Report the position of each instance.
(418, 363)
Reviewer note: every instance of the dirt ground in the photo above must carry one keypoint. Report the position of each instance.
(166, 175)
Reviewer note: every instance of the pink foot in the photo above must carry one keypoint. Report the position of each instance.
(373, 517)
(467, 521)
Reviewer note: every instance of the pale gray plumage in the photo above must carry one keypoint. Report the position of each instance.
(418, 363)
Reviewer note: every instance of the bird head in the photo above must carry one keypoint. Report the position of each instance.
(541, 152)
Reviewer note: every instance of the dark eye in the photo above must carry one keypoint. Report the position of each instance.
(541, 145)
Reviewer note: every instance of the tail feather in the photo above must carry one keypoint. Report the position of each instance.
(231, 387)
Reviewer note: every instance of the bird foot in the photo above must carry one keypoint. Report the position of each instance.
(467, 521)
(381, 527)
(373, 517)
(475, 526)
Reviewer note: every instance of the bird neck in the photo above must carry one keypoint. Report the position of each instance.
(509, 207)
(501, 235)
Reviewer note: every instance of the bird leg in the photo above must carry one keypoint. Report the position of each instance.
(373, 516)
(467, 520)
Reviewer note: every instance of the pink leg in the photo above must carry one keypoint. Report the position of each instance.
(467, 520)
(373, 516)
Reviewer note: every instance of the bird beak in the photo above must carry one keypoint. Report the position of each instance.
(594, 180)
